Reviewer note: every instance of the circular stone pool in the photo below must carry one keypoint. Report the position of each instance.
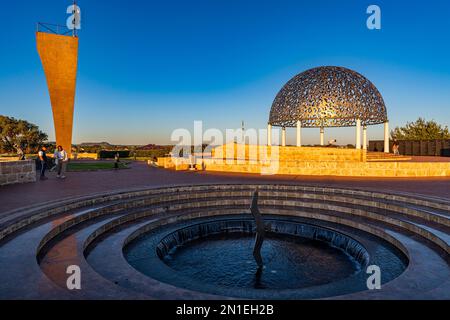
(302, 259)
(227, 260)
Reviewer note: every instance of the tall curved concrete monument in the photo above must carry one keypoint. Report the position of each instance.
(59, 57)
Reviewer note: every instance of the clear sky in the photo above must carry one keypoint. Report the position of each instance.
(149, 67)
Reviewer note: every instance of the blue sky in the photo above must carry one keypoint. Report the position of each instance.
(149, 67)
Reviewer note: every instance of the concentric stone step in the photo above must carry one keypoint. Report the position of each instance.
(37, 243)
(132, 232)
(381, 156)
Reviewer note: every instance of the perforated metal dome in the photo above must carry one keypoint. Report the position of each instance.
(328, 97)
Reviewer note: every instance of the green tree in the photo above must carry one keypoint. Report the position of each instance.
(421, 130)
(19, 133)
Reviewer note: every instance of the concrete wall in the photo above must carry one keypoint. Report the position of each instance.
(59, 57)
(12, 172)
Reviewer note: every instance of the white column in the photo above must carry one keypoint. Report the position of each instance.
(365, 138)
(358, 134)
(386, 137)
(283, 137)
(322, 137)
(269, 134)
(299, 134)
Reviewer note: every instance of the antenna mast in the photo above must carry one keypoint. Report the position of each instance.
(74, 31)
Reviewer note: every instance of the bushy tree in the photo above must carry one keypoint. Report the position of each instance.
(19, 133)
(421, 130)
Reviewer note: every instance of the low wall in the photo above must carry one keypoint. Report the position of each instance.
(258, 153)
(335, 168)
(438, 148)
(308, 162)
(81, 156)
(179, 164)
(13, 172)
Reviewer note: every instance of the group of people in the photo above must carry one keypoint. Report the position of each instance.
(61, 158)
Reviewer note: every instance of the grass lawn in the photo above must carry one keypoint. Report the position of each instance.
(94, 166)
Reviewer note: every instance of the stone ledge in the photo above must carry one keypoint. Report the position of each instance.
(14, 172)
(327, 168)
(173, 203)
(14, 222)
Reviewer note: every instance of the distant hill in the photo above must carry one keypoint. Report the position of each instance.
(95, 144)
(152, 147)
(107, 146)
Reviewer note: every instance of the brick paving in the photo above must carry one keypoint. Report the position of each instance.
(141, 175)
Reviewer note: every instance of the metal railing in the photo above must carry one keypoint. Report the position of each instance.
(55, 29)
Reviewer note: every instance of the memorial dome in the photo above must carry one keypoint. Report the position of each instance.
(328, 97)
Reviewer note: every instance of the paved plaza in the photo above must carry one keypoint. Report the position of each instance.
(91, 215)
(140, 175)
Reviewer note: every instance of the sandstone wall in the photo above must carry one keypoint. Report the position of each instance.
(12, 172)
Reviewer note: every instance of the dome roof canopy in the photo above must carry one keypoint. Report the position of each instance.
(328, 97)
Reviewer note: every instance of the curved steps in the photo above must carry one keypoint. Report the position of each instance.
(99, 225)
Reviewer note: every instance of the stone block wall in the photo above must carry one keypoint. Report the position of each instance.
(13, 172)
(255, 153)
(306, 161)
(337, 168)
(80, 156)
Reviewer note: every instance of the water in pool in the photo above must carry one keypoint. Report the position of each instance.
(289, 262)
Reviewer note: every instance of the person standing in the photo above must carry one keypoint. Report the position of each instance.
(55, 160)
(20, 153)
(396, 148)
(43, 158)
(116, 161)
(62, 158)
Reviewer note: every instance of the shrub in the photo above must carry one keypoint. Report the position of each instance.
(151, 153)
(105, 154)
